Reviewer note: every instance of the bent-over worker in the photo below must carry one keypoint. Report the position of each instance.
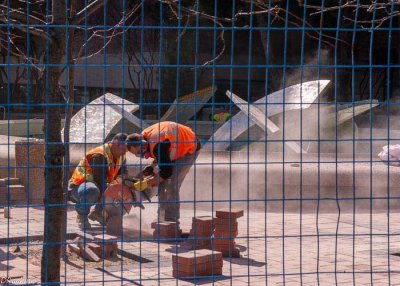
(174, 147)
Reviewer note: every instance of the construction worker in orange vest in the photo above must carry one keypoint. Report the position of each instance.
(99, 167)
(174, 147)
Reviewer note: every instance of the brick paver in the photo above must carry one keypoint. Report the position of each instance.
(276, 248)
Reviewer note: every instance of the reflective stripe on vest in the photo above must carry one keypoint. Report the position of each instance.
(170, 131)
(156, 137)
(84, 172)
(173, 131)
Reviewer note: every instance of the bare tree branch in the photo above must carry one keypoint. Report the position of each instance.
(87, 11)
(20, 15)
(23, 55)
(384, 10)
(216, 20)
(108, 37)
(16, 24)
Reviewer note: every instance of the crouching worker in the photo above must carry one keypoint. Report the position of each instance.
(99, 167)
(174, 147)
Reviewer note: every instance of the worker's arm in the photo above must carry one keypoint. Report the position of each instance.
(154, 181)
(161, 152)
(148, 182)
(123, 171)
(99, 167)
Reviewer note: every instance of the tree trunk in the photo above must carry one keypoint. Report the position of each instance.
(54, 152)
(68, 115)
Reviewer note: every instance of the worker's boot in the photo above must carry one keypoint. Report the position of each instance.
(99, 215)
(83, 222)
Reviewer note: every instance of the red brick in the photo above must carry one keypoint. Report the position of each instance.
(189, 258)
(197, 256)
(180, 274)
(198, 268)
(226, 226)
(200, 244)
(169, 230)
(164, 225)
(223, 248)
(230, 252)
(87, 253)
(110, 249)
(162, 235)
(202, 221)
(109, 242)
(224, 221)
(223, 241)
(229, 213)
(172, 231)
(167, 234)
(201, 233)
(224, 234)
(211, 255)
(114, 226)
(155, 224)
(105, 237)
(200, 227)
(95, 247)
(165, 231)
(74, 248)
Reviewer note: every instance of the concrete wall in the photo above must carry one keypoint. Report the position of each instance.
(22, 128)
(277, 184)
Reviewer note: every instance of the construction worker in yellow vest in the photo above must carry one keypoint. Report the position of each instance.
(221, 117)
(174, 147)
(99, 167)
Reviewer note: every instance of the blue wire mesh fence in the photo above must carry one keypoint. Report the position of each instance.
(212, 142)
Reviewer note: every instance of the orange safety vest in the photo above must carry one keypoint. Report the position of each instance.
(83, 172)
(182, 138)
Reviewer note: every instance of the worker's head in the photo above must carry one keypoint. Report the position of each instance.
(136, 144)
(118, 144)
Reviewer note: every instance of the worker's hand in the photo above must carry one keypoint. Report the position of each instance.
(149, 170)
(140, 185)
(117, 180)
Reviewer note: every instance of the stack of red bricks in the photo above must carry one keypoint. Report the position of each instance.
(94, 248)
(165, 230)
(225, 232)
(201, 232)
(195, 263)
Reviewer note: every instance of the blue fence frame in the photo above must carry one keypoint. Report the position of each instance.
(152, 54)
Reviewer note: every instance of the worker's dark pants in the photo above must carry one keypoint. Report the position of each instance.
(169, 209)
(86, 195)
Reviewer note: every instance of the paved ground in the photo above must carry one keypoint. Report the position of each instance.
(277, 249)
